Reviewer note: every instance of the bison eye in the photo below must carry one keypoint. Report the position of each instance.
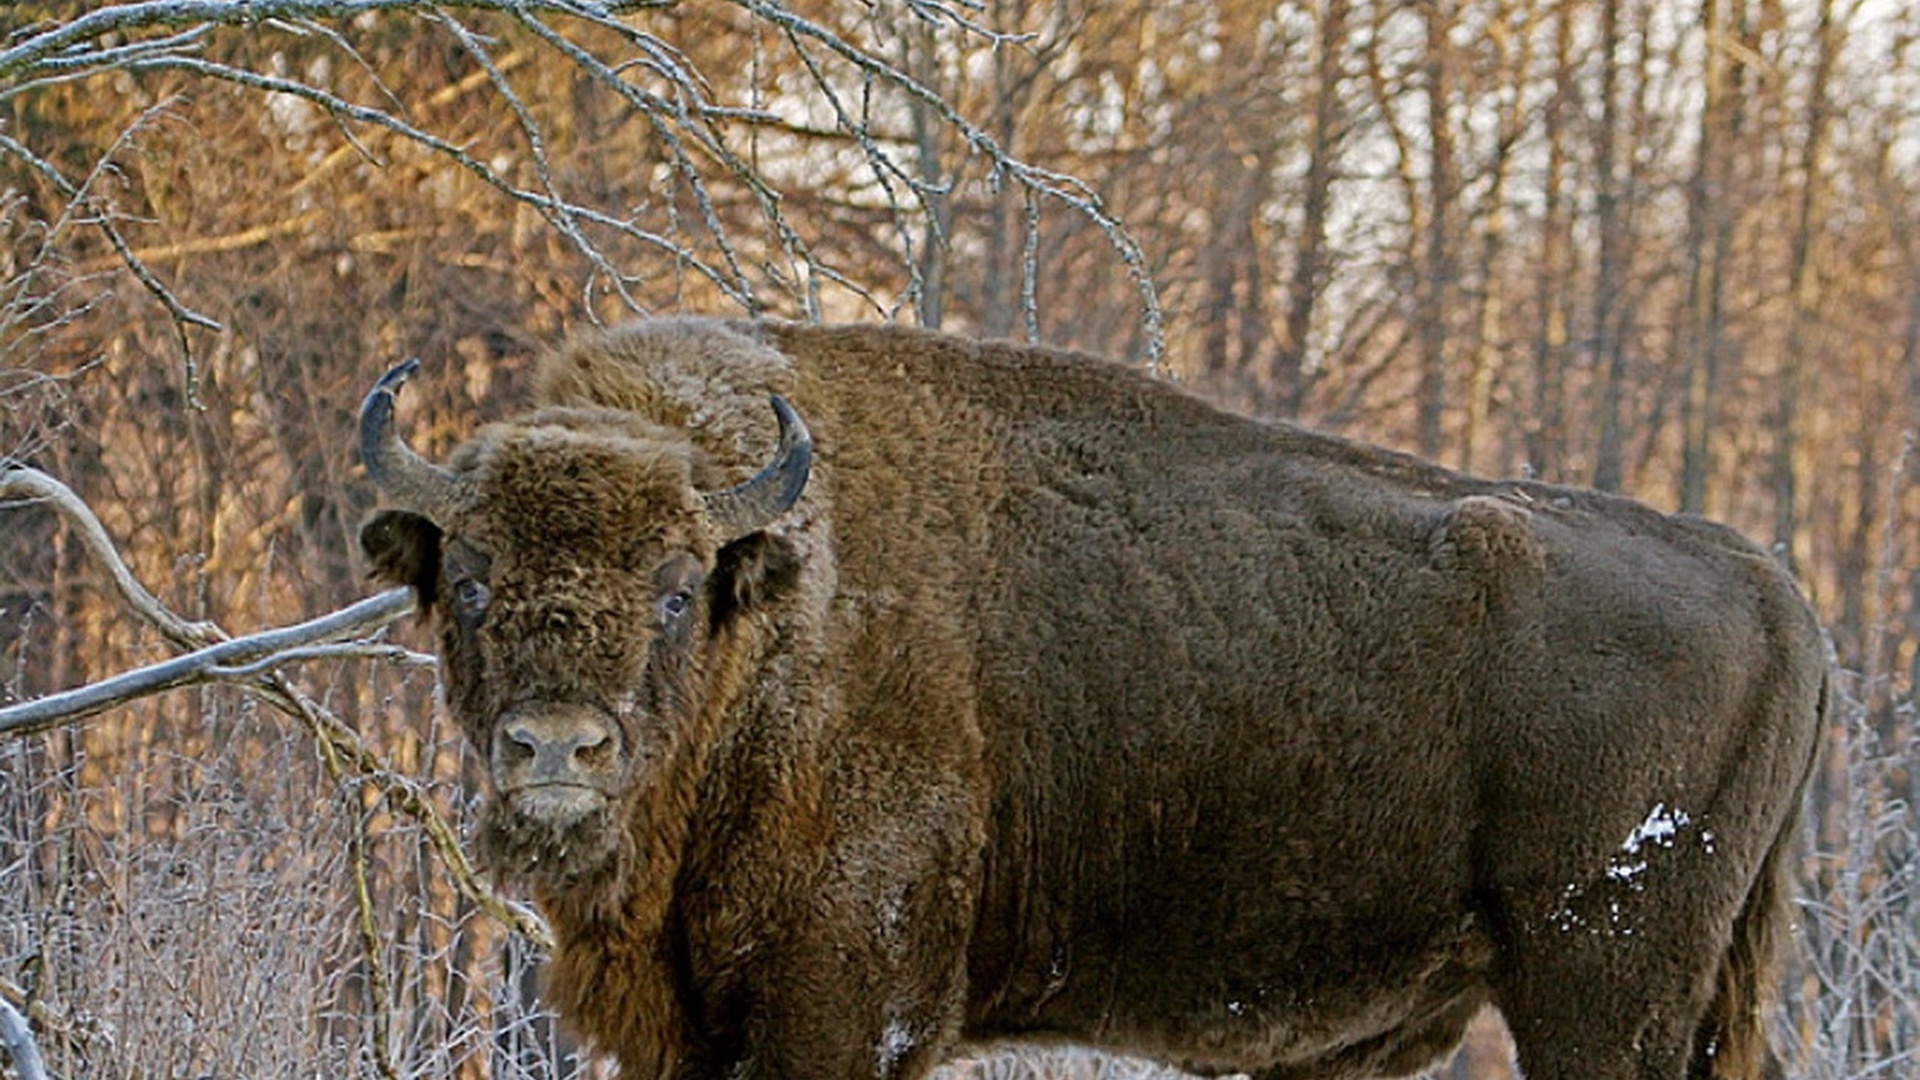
(470, 600)
(675, 604)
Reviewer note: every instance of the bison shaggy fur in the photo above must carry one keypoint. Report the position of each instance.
(1043, 701)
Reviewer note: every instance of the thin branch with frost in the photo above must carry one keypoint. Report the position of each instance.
(19, 484)
(58, 45)
(558, 214)
(17, 1037)
(654, 106)
(80, 199)
(1056, 185)
(235, 659)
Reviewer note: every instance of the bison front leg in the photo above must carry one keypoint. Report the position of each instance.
(845, 959)
(864, 983)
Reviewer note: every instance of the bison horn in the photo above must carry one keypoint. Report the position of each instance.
(409, 480)
(755, 504)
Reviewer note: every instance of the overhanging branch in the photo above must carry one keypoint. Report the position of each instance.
(237, 658)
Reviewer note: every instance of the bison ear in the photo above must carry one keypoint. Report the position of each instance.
(755, 570)
(404, 549)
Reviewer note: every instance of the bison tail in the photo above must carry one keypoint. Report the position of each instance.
(1732, 1041)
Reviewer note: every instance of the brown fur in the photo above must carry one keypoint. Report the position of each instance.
(1063, 706)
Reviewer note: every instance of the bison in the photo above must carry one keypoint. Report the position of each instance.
(1019, 696)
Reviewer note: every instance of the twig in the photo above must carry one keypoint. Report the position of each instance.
(346, 650)
(119, 18)
(1067, 189)
(18, 482)
(404, 793)
(17, 1037)
(245, 238)
(82, 1032)
(378, 988)
(544, 204)
(558, 212)
(79, 197)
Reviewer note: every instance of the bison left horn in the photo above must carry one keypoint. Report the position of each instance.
(410, 480)
(755, 504)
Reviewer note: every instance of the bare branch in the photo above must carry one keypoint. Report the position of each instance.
(79, 198)
(345, 650)
(548, 206)
(228, 660)
(17, 1037)
(57, 42)
(21, 485)
(1057, 185)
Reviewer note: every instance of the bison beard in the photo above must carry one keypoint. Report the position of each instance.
(1049, 703)
(524, 838)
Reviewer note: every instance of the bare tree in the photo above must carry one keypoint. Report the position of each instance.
(1307, 283)
(1547, 434)
(1803, 288)
(1711, 194)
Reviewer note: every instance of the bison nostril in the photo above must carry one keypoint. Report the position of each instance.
(595, 755)
(519, 743)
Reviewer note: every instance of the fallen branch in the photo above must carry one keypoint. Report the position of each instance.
(215, 656)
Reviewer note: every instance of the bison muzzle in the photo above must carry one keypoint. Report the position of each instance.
(1011, 695)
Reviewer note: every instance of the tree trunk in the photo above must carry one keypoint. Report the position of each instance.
(930, 267)
(1437, 285)
(1710, 198)
(1292, 377)
(1609, 356)
(1803, 287)
(1547, 435)
(1485, 356)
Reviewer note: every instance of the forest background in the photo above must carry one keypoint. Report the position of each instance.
(1668, 249)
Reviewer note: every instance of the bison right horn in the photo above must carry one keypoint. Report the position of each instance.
(755, 504)
(411, 481)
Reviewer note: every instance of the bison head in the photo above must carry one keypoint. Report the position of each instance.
(576, 575)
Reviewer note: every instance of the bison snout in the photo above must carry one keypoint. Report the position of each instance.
(571, 746)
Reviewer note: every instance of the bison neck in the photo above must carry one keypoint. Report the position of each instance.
(627, 940)
(612, 977)
(612, 981)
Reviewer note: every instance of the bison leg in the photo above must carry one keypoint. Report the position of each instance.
(866, 985)
(1611, 979)
(854, 966)
(1599, 1034)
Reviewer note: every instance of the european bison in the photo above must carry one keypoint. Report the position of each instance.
(1027, 698)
